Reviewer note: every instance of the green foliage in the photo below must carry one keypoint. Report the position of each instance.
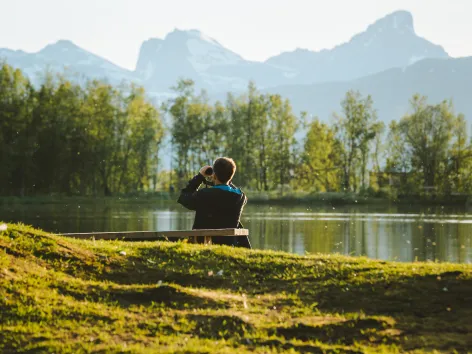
(256, 130)
(356, 129)
(429, 147)
(17, 127)
(64, 139)
(70, 296)
(283, 125)
(197, 130)
(321, 165)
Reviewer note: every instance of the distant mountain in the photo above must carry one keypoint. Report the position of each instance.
(391, 42)
(67, 58)
(391, 90)
(191, 54)
(388, 43)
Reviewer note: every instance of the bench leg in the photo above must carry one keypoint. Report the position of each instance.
(206, 240)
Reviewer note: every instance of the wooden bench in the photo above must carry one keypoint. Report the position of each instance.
(205, 236)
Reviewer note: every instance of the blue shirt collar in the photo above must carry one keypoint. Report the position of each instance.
(227, 188)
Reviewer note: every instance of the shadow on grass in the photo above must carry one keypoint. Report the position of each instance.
(202, 326)
(165, 295)
(220, 326)
(446, 295)
(255, 274)
(430, 310)
(298, 348)
(347, 332)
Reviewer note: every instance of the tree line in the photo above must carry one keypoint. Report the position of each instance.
(256, 130)
(62, 138)
(96, 139)
(426, 151)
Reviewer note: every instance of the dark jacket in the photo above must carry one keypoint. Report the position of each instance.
(217, 207)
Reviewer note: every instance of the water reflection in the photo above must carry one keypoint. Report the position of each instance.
(389, 233)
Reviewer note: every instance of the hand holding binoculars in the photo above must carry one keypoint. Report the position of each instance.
(206, 171)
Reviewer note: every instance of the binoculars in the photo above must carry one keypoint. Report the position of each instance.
(209, 171)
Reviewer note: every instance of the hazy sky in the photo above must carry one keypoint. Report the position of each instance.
(255, 29)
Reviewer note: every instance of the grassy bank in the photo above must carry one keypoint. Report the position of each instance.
(60, 295)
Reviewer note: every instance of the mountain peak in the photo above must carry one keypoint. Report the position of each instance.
(179, 34)
(399, 21)
(62, 45)
(65, 43)
(389, 42)
(149, 50)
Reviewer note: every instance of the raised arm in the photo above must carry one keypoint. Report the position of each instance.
(188, 195)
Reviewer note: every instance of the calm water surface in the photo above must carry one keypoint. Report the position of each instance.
(389, 233)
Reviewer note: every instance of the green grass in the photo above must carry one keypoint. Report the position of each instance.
(60, 295)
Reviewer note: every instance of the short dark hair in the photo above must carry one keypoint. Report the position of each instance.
(224, 169)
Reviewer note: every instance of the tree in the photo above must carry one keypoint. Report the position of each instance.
(261, 139)
(283, 126)
(321, 161)
(355, 130)
(198, 129)
(142, 139)
(460, 162)
(17, 140)
(248, 134)
(429, 135)
(67, 139)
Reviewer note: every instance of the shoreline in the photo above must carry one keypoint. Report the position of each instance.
(254, 198)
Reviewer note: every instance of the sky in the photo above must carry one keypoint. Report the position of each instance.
(255, 29)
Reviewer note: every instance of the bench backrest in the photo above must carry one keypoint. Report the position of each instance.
(150, 235)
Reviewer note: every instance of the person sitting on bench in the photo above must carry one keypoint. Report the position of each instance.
(217, 207)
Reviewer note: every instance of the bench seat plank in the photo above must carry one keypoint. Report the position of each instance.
(149, 235)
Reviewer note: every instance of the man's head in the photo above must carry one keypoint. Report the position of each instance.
(224, 169)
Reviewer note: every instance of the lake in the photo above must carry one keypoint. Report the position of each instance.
(402, 233)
